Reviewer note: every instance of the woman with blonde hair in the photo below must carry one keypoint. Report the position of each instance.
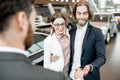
(57, 45)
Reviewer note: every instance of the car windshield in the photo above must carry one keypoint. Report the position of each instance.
(100, 18)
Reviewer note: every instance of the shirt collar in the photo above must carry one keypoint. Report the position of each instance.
(16, 50)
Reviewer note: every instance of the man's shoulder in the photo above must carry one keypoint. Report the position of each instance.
(94, 29)
(27, 71)
(49, 74)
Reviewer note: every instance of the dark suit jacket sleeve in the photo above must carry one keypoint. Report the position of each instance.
(100, 50)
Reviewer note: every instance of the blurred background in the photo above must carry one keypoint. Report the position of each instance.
(106, 17)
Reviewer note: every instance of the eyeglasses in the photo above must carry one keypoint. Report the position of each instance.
(63, 24)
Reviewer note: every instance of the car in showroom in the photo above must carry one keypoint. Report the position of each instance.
(36, 50)
(117, 17)
(107, 23)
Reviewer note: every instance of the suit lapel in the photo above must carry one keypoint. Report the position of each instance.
(85, 38)
(73, 39)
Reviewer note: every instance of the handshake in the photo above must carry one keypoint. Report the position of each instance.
(80, 73)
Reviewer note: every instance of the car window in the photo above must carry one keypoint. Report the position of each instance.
(37, 42)
(34, 48)
(40, 44)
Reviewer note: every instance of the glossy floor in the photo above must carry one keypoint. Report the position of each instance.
(111, 70)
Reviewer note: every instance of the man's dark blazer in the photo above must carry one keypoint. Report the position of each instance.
(93, 50)
(14, 66)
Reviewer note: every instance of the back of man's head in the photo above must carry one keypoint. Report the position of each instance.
(8, 8)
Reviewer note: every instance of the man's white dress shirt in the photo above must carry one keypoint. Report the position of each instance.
(80, 33)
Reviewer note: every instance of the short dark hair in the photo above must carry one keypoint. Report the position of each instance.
(81, 3)
(8, 8)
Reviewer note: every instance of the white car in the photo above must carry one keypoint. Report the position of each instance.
(107, 23)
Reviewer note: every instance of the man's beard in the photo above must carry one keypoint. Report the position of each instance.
(29, 38)
(83, 24)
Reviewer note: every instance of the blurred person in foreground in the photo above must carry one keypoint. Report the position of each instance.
(17, 25)
(87, 45)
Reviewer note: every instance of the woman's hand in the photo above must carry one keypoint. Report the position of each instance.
(54, 58)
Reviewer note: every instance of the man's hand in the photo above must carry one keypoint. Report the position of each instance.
(78, 74)
(86, 69)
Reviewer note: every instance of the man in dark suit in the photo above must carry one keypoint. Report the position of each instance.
(87, 44)
(17, 19)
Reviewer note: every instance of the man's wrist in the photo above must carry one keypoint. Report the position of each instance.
(91, 67)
